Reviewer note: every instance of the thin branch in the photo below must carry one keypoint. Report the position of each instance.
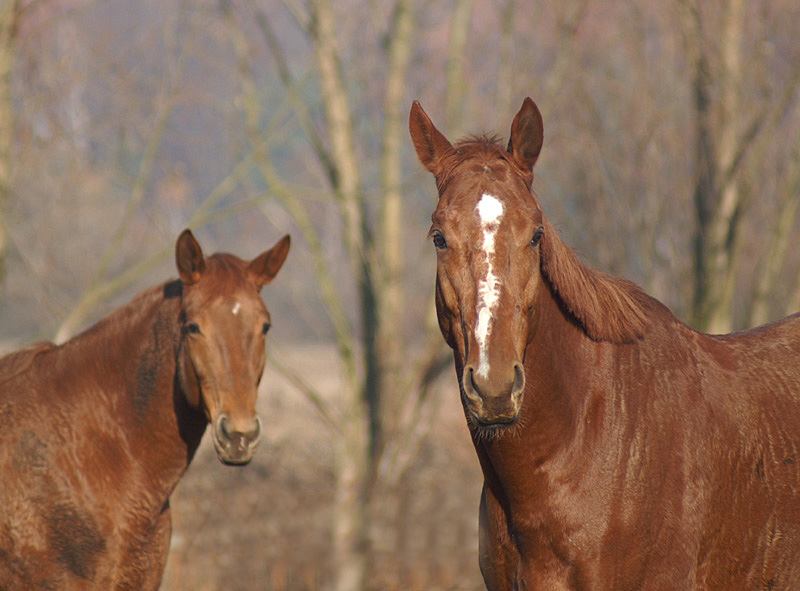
(345, 337)
(101, 291)
(300, 109)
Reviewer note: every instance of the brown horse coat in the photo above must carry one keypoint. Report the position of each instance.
(94, 434)
(621, 450)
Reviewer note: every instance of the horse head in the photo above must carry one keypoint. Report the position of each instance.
(487, 229)
(222, 352)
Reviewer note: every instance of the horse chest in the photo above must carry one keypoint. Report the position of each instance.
(570, 531)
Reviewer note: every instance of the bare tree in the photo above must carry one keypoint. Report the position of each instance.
(10, 12)
(779, 238)
(383, 396)
(728, 132)
(717, 195)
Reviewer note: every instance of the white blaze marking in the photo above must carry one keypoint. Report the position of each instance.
(236, 308)
(490, 211)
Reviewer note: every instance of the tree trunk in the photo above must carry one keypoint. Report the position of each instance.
(390, 267)
(9, 11)
(779, 242)
(456, 89)
(717, 197)
(354, 446)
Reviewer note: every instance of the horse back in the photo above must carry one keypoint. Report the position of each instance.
(738, 421)
(758, 373)
(17, 362)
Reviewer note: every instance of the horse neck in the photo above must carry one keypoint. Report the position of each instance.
(136, 350)
(585, 320)
(559, 362)
(562, 357)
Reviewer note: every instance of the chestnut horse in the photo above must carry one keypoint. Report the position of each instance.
(620, 449)
(96, 433)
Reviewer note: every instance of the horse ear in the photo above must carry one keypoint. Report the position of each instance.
(265, 266)
(189, 258)
(429, 142)
(527, 135)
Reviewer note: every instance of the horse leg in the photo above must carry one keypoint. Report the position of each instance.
(498, 557)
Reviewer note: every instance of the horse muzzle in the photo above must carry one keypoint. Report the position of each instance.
(495, 403)
(234, 445)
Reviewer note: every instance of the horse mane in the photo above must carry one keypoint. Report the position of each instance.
(480, 142)
(605, 307)
(17, 362)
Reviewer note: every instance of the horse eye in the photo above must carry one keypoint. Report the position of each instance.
(265, 328)
(537, 236)
(191, 328)
(439, 241)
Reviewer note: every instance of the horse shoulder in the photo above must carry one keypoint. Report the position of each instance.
(54, 441)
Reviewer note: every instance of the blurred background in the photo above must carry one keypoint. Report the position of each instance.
(671, 157)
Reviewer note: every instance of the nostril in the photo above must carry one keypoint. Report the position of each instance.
(519, 378)
(470, 387)
(255, 434)
(223, 427)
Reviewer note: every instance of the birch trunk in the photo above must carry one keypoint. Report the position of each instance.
(353, 446)
(717, 196)
(9, 10)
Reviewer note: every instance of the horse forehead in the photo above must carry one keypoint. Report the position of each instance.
(224, 298)
(488, 207)
(240, 304)
(471, 178)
